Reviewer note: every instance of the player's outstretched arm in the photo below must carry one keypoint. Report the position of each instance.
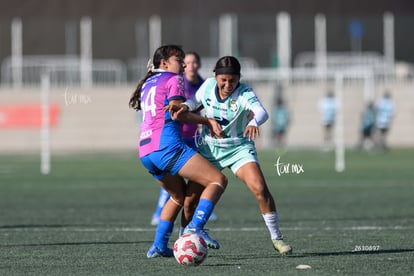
(213, 125)
(180, 113)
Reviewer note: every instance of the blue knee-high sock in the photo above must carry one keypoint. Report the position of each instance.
(163, 233)
(162, 199)
(202, 213)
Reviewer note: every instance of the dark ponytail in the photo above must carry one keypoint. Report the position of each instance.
(135, 100)
(163, 52)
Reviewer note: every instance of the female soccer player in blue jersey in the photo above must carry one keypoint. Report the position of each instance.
(165, 155)
(239, 112)
(189, 131)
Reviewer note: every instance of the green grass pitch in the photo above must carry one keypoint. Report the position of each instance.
(91, 216)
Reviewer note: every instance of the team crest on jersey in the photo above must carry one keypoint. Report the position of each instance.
(233, 106)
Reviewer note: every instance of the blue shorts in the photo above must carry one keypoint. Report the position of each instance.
(167, 160)
(191, 142)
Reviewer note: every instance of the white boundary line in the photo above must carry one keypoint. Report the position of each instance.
(245, 229)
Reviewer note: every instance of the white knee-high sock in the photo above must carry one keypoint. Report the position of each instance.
(272, 223)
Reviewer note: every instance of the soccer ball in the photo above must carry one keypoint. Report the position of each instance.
(190, 250)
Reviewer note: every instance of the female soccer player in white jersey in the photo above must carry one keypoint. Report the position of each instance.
(236, 108)
(165, 155)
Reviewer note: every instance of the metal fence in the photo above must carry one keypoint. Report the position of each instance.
(108, 51)
(63, 71)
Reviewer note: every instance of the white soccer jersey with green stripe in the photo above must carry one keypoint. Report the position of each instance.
(232, 113)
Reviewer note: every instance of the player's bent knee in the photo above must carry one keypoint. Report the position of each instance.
(177, 201)
(222, 182)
